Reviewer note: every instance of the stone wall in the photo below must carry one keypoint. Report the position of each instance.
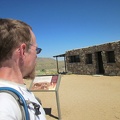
(100, 64)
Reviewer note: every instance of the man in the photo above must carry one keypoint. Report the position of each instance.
(18, 53)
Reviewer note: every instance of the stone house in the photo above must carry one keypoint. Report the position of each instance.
(100, 59)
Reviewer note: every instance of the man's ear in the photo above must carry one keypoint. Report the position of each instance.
(22, 49)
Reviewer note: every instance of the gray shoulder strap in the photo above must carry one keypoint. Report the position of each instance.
(23, 104)
(18, 101)
(21, 98)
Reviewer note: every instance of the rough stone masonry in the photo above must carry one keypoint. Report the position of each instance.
(101, 59)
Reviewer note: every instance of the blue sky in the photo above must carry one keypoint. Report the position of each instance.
(62, 25)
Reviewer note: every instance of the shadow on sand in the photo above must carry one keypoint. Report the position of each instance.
(48, 112)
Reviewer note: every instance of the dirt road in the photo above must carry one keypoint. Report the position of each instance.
(85, 97)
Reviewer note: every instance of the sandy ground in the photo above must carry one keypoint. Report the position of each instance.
(84, 97)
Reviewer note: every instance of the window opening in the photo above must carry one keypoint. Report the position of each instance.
(74, 59)
(110, 57)
(88, 58)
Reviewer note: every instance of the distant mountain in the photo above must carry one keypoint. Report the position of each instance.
(48, 66)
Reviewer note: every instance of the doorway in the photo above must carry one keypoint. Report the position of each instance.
(99, 63)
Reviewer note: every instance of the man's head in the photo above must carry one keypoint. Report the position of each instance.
(18, 42)
(12, 34)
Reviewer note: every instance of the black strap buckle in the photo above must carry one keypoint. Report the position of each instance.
(36, 107)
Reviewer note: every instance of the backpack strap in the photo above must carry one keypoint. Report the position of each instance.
(20, 99)
(36, 107)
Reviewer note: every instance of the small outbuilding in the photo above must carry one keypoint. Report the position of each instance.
(99, 59)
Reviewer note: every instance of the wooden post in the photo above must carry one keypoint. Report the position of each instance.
(57, 65)
(65, 63)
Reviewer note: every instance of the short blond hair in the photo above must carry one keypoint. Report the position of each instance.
(12, 34)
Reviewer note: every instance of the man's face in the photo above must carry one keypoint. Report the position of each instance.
(30, 61)
(30, 75)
